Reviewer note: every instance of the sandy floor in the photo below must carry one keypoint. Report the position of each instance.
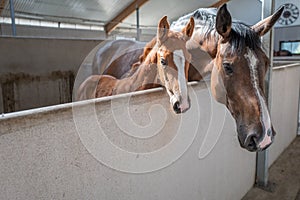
(284, 176)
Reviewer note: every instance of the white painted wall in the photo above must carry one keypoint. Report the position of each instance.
(43, 156)
(58, 153)
(284, 108)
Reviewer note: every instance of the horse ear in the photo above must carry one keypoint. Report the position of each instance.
(265, 25)
(189, 28)
(223, 22)
(163, 28)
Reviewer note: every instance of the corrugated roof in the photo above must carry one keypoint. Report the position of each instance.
(102, 11)
(69, 10)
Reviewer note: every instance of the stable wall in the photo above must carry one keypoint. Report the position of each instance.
(50, 32)
(59, 152)
(284, 107)
(44, 156)
(39, 72)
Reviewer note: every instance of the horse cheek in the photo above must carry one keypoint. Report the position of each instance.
(217, 87)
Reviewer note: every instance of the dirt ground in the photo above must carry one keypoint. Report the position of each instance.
(284, 176)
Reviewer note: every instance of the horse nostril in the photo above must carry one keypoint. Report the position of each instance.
(176, 107)
(251, 142)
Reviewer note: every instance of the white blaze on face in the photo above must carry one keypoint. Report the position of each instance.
(265, 117)
(179, 61)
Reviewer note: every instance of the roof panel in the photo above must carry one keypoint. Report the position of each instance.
(98, 10)
(79, 11)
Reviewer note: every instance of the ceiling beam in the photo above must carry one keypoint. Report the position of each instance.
(2, 5)
(112, 24)
(219, 3)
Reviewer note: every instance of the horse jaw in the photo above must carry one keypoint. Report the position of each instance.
(217, 87)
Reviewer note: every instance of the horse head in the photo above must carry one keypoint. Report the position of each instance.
(172, 59)
(237, 80)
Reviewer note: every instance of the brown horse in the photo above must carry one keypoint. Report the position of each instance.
(167, 64)
(238, 69)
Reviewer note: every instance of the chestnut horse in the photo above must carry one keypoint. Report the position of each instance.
(167, 64)
(238, 70)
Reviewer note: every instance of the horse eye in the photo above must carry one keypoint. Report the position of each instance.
(228, 68)
(163, 61)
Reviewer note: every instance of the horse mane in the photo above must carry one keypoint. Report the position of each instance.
(147, 49)
(242, 35)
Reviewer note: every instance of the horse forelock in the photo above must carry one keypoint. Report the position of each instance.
(242, 36)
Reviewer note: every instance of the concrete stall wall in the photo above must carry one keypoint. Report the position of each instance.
(39, 72)
(44, 156)
(133, 147)
(50, 32)
(284, 107)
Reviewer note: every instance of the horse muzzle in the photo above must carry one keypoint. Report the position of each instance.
(180, 105)
(253, 141)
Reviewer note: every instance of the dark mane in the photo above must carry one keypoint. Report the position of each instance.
(242, 35)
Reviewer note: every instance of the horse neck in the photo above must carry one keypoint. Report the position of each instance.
(206, 39)
(143, 77)
(148, 49)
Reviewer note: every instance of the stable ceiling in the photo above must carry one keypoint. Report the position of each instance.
(107, 13)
